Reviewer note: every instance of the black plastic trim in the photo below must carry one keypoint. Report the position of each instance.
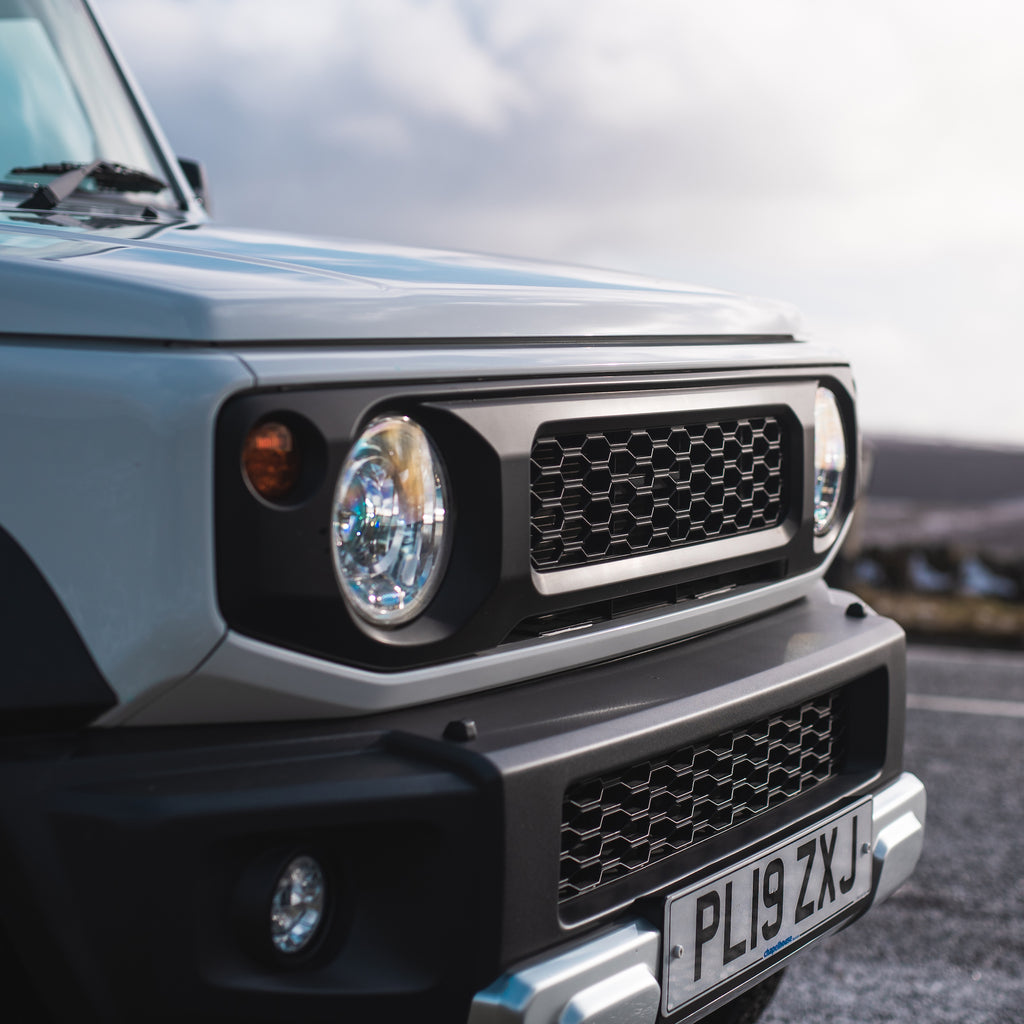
(274, 574)
(50, 681)
(132, 846)
(144, 876)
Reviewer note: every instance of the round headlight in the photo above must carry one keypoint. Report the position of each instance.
(829, 460)
(388, 524)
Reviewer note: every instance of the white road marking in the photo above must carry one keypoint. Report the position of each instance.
(966, 705)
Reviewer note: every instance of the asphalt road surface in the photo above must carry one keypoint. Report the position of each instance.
(947, 948)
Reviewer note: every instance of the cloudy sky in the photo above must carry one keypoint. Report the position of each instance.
(864, 160)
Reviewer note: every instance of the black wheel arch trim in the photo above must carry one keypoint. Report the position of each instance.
(50, 680)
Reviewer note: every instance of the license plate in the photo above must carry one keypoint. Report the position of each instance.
(757, 912)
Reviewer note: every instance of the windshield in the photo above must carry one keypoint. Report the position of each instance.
(62, 101)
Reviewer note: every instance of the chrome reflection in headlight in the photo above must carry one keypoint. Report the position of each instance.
(388, 525)
(829, 460)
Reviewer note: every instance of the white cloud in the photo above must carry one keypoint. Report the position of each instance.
(297, 59)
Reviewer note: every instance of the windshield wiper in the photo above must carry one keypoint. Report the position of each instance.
(107, 175)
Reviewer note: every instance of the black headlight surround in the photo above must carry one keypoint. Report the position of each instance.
(275, 578)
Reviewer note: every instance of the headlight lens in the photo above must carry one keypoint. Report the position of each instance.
(829, 460)
(388, 527)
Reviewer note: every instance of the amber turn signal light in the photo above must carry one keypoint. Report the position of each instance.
(271, 460)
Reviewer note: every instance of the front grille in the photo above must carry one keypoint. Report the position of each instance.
(609, 494)
(626, 820)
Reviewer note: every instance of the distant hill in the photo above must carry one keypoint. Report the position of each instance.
(938, 540)
(925, 494)
(935, 471)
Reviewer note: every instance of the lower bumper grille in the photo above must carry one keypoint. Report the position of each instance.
(622, 822)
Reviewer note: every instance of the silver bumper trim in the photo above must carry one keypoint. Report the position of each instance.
(613, 978)
(898, 833)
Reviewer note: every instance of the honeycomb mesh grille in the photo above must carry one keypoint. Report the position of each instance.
(622, 822)
(611, 494)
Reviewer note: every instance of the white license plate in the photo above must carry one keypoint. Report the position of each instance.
(752, 914)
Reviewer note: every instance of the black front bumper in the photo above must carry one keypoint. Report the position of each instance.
(139, 861)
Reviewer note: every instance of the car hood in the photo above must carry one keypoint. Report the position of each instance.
(62, 275)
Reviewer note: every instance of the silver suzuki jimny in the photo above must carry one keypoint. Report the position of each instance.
(404, 635)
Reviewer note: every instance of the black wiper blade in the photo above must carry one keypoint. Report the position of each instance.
(105, 173)
(115, 177)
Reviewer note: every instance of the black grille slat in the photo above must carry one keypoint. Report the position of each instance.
(624, 821)
(604, 495)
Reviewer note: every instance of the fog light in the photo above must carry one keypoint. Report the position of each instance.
(298, 905)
